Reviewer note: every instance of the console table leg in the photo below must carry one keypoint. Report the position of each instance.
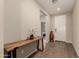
(38, 45)
(14, 53)
(9, 55)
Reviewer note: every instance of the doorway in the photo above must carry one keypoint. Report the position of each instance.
(43, 26)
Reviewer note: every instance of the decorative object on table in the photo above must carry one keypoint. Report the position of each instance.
(44, 34)
(32, 32)
(31, 36)
(51, 36)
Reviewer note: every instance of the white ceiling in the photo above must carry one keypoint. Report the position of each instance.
(64, 5)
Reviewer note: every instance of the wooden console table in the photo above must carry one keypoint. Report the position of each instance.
(11, 48)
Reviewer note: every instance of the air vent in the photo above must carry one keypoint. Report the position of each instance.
(54, 1)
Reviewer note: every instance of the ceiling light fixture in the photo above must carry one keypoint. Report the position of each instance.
(58, 9)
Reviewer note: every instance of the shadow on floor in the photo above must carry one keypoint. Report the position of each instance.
(57, 49)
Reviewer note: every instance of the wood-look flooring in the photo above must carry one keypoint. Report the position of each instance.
(57, 50)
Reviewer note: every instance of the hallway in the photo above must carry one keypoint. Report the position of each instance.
(26, 25)
(57, 50)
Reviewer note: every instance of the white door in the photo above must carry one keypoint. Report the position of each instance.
(60, 28)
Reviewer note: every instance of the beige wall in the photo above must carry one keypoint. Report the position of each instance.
(68, 26)
(12, 23)
(20, 17)
(30, 18)
(52, 23)
(1, 26)
(76, 27)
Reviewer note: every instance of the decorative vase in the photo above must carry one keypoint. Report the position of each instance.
(31, 36)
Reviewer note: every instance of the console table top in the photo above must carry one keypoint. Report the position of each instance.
(11, 46)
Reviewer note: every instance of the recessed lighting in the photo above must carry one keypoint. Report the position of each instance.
(58, 9)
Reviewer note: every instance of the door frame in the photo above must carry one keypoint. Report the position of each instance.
(56, 29)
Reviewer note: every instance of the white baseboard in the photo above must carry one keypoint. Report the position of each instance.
(75, 50)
